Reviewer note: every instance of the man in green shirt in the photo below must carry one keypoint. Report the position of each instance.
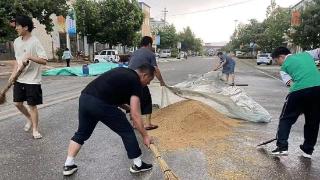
(304, 97)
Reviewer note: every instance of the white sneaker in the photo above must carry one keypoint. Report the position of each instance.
(304, 154)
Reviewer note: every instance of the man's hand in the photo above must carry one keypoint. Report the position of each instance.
(147, 140)
(162, 83)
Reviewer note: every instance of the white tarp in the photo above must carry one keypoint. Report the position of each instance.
(229, 100)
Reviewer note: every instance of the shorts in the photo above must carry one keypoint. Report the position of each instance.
(32, 93)
(229, 69)
(146, 101)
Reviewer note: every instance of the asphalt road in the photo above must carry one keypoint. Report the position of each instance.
(104, 157)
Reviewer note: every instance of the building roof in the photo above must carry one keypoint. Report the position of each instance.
(144, 4)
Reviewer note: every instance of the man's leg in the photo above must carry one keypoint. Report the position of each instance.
(117, 122)
(35, 122)
(26, 113)
(146, 108)
(87, 123)
(311, 127)
(289, 115)
(19, 96)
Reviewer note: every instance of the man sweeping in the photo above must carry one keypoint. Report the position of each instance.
(227, 64)
(28, 86)
(141, 56)
(100, 100)
(304, 97)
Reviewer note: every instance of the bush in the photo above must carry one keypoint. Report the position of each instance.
(174, 52)
(59, 53)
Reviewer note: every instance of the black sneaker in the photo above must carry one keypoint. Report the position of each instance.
(142, 168)
(279, 151)
(304, 153)
(69, 170)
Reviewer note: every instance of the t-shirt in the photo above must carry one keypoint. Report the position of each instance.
(315, 54)
(115, 87)
(229, 61)
(33, 47)
(142, 56)
(302, 69)
(66, 55)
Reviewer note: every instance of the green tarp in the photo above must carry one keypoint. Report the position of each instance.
(94, 70)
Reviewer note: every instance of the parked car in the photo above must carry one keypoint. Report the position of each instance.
(165, 53)
(239, 53)
(109, 55)
(264, 58)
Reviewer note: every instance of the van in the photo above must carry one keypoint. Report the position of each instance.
(165, 53)
(109, 55)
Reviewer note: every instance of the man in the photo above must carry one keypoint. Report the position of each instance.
(100, 100)
(287, 80)
(141, 56)
(304, 97)
(28, 86)
(227, 64)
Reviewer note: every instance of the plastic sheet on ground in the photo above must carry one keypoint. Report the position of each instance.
(94, 70)
(229, 100)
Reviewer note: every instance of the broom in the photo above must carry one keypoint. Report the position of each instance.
(168, 174)
(10, 83)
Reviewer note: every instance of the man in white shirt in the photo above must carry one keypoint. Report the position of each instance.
(28, 86)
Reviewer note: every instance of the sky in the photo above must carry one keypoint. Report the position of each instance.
(212, 20)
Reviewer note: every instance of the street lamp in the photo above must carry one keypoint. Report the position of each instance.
(235, 24)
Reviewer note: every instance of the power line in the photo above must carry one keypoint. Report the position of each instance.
(211, 9)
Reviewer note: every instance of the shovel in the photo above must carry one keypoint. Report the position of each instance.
(10, 83)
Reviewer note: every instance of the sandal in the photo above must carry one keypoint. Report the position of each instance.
(36, 135)
(27, 127)
(151, 127)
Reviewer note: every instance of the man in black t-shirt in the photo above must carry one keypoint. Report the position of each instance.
(100, 100)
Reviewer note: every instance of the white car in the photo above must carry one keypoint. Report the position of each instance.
(108, 55)
(165, 53)
(264, 58)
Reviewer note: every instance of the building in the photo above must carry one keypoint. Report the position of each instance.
(145, 29)
(212, 48)
(295, 21)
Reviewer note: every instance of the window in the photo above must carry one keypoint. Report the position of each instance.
(103, 53)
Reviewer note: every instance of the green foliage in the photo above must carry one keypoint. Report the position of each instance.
(267, 35)
(59, 53)
(109, 21)
(189, 41)
(307, 35)
(38, 9)
(168, 37)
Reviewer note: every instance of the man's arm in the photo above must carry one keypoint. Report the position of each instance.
(36, 60)
(159, 76)
(220, 65)
(286, 78)
(136, 117)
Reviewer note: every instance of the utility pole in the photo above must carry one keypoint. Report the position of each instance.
(165, 15)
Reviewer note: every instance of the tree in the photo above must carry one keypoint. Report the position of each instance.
(307, 35)
(120, 20)
(40, 10)
(276, 25)
(88, 19)
(168, 37)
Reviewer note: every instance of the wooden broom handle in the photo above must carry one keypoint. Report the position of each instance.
(10, 83)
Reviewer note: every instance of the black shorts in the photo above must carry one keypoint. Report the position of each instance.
(32, 93)
(146, 101)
